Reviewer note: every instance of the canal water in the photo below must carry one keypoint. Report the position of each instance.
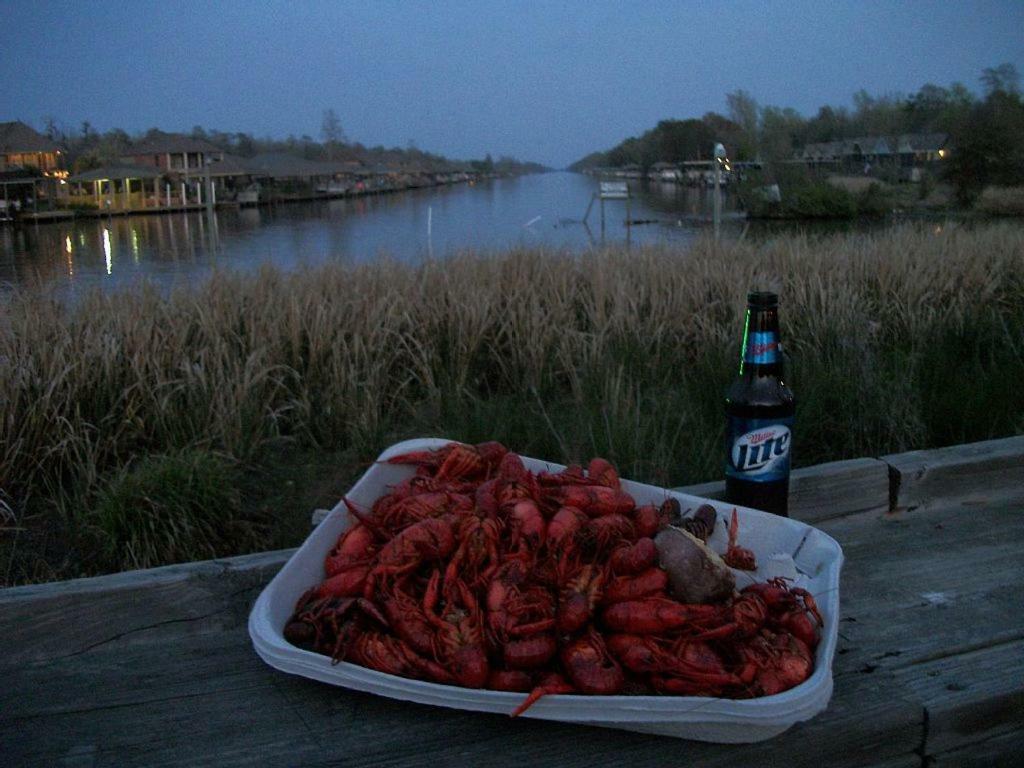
(547, 210)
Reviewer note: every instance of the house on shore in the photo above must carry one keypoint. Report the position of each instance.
(121, 188)
(186, 163)
(32, 175)
(175, 172)
(908, 154)
(172, 153)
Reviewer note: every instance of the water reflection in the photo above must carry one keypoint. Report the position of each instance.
(74, 256)
(106, 249)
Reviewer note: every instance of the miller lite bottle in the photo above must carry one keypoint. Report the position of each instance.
(759, 414)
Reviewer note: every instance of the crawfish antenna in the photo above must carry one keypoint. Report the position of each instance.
(365, 519)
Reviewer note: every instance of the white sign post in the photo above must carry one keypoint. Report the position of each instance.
(610, 190)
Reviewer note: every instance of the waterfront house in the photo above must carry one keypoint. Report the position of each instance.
(172, 153)
(869, 150)
(287, 177)
(909, 151)
(822, 153)
(23, 147)
(916, 149)
(185, 163)
(32, 171)
(119, 188)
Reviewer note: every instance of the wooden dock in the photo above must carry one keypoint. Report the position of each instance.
(155, 668)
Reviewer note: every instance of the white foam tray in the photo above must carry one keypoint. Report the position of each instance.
(818, 559)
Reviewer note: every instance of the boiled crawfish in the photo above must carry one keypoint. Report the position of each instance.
(476, 572)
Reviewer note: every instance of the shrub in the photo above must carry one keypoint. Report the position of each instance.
(170, 508)
(876, 200)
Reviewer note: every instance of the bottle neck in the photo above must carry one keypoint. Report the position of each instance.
(762, 347)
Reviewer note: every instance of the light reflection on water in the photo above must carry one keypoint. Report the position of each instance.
(172, 249)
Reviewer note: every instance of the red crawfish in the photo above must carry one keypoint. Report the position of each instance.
(425, 541)
(456, 461)
(736, 556)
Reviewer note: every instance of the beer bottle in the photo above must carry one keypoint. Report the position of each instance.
(759, 414)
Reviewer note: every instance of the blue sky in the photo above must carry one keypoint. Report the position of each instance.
(541, 81)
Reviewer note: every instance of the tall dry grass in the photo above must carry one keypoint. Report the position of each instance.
(1001, 201)
(898, 340)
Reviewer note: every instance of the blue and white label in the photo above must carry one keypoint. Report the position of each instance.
(762, 348)
(758, 449)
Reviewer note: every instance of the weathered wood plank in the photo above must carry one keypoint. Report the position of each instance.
(47, 621)
(133, 580)
(970, 697)
(120, 675)
(825, 491)
(936, 583)
(288, 720)
(966, 474)
(992, 752)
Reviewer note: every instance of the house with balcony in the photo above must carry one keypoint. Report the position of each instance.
(172, 153)
(183, 162)
(32, 171)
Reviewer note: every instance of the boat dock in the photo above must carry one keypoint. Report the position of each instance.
(155, 667)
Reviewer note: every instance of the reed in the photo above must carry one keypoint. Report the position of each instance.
(907, 339)
(1001, 201)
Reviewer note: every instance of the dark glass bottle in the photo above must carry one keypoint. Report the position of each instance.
(759, 415)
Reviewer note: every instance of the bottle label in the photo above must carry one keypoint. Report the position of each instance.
(762, 348)
(758, 449)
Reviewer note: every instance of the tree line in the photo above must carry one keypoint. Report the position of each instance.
(86, 148)
(987, 131)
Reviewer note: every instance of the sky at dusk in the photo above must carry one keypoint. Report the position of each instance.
(541, 81)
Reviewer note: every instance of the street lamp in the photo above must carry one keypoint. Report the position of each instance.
(717, 163)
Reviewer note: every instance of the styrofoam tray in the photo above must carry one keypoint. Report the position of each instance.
(818, 559)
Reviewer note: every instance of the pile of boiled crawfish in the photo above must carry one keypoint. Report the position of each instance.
(479, 573)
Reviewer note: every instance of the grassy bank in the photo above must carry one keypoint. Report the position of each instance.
(140, 428)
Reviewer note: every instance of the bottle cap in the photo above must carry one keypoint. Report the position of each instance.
(762, 300)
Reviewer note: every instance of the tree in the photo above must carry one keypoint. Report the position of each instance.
(878, 115)
(780, 132)
(722, 129)
(50, 129)
(332, 133)
(829, 124)
(935, 109)
(244, 145)
(1001, 79)
(987, 148)
(744, 112)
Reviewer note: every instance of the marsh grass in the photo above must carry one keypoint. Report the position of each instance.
(1001, 201)
(905, 339)
(168, 508)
